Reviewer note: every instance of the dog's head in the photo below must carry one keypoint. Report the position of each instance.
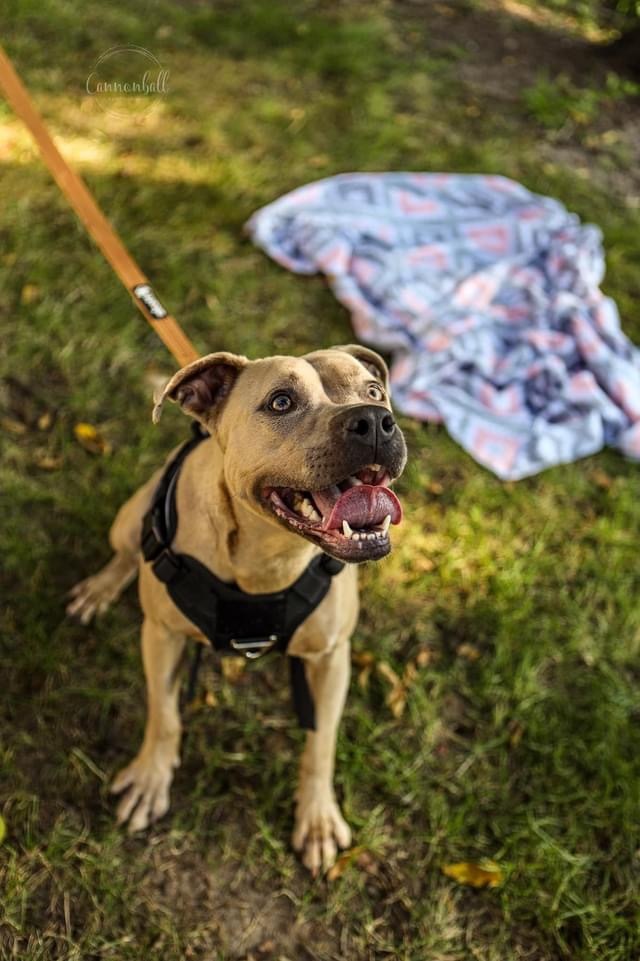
(308, 442)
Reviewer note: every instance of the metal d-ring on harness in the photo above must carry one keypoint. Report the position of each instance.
(234, 621)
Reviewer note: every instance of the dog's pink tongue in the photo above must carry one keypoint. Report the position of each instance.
(360, 506)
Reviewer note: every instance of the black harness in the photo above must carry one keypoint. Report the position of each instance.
(235, 622)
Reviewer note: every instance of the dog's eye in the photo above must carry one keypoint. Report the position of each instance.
(375, 392)
(281, 403)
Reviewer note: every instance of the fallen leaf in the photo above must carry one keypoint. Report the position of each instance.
(424, 657)
(362, 658)
(363, 678)
(487, 874)
(396, 699)
(210, 699)
(45, 420)
(366, 661)
(344, 861)
(3, 829)
(409, 674)
(601, 479)
(267, 947)
(233, 668)
(30, 292)
(48, 461)
(91, 439)
(320, 160)
(469, 651)
(13, 426)
(388, 673)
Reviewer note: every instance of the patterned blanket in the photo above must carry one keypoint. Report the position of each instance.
(487, 297)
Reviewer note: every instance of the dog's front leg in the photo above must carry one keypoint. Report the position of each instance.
(148, 778)
(319, 825)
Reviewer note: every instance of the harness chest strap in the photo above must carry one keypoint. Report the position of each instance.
(234, 621)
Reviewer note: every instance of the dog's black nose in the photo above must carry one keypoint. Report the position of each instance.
(371, 425)
(371, 421)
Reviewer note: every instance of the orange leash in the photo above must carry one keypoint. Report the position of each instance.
(73, 187)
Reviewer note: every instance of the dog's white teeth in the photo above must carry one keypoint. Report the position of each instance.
(361, 536)
(355, 481)
(309, 510)
(302, 505)
(375, 468)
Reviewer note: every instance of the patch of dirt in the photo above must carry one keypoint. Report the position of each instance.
(232, 910)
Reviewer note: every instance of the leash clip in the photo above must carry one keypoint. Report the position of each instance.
(254, 647)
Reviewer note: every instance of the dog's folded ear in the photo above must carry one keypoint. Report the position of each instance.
(202, 386)
(369, 359)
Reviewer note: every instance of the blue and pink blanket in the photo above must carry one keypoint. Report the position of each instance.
(488, 298)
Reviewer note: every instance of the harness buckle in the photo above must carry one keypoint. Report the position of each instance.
(254, 647)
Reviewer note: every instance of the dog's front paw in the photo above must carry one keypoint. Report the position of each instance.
(146, 781)
(95, 594)
(319, 829)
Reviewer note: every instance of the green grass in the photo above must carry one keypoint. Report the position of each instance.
(528, 754)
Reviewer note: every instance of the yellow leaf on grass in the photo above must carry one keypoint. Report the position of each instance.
(233, 668)
(363, 678)
(30, 292)
(396, 699)
(13, 426)
(3, 829)
(362, 658)
(365, 661)
(45, 421)
(388, 673)
(602, 479)
(91, 439)
(344, 861)
(424, 657)
(46, 461)
(469, 651)
(487, 874)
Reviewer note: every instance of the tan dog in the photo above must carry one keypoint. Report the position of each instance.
(300, 458)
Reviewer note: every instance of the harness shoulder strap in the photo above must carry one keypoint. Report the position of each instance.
(160, 523)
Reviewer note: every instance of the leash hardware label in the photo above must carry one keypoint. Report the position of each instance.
(144, 293)
(248, 647)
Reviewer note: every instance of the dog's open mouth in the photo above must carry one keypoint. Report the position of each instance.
(350, 519)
